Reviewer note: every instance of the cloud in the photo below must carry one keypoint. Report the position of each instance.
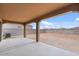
(45, 24)
(77, 19)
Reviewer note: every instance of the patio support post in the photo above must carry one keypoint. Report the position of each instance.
(24, 30)
(0, 30)
(37, 31)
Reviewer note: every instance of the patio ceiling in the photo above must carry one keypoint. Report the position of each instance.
(29, 12)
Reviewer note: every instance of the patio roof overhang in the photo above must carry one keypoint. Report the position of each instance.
(30, 12)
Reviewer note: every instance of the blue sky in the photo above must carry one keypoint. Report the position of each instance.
(67, 20)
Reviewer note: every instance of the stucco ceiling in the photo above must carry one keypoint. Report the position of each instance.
(25, 12)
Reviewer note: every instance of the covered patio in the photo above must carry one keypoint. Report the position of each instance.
(31, 13)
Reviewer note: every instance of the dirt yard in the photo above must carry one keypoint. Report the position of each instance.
(66, 41)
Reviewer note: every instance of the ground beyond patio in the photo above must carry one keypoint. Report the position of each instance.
(65, 41)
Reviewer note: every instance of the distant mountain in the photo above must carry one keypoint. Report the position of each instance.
(77, 28)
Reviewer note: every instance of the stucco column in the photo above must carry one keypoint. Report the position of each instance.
(37, 31)
(24, 30)
(0, 30)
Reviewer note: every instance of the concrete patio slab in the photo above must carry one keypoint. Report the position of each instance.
(28, 47)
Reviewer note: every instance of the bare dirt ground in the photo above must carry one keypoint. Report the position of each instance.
(66, 41)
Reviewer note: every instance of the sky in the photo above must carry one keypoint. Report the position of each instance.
(67, 20)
